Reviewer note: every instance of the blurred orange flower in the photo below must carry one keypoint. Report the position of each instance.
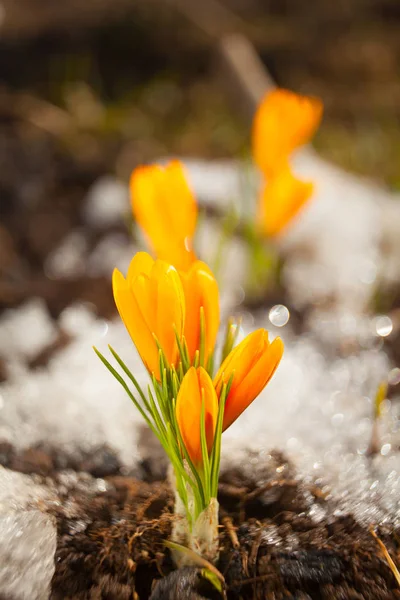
(196, 388)
(165, 208)
(201, 290)
(151, 304)
(281, 199)
(252, 364)
(283, 122)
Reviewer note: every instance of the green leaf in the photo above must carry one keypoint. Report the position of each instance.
(231, 333)
(204, 450)
(185, 363)
(208, 571)
(216, 450)
(130, 375)
(213, 579)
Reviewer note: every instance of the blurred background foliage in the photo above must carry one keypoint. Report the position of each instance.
(140, 79)
(91, 89)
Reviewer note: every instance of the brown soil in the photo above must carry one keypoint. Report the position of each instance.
(111, 543)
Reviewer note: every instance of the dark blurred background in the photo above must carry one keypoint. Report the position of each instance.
(91, 89)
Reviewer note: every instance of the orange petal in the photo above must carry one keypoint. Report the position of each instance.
(283, 122)
(195, 388)
(136, 326)
(170, 308)
(166, 210)
(201, 290)
(253, 383)
(281, 199)
(240, 360)
(141, 263)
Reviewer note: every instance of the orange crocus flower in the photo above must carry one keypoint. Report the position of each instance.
(196, 388)
(280, 200)
(165, 208)
(252, 364)
(201, 290)
(283, 122)
(151, 304)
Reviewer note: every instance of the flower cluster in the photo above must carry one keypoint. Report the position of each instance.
(173, 319)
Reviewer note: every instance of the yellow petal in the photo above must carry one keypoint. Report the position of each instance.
(283, 122)
(141, 263)
(253, 383)
(151, 303)
(201, 290)
(136, 326)
(195, 388)
(281, 199)
(166, 210)
(240, 360)
(170, 308)
(252, 364)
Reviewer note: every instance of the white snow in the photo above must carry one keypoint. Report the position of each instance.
(26, 330)
(106, 203)
(75, 403)
(27, 547)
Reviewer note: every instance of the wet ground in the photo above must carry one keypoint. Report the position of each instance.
(111, 533)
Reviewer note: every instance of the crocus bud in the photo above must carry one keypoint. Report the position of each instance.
(282, 198)
(151, 304)
(196, 388)
(201, 290)
(250, 365)
(166, 210)
(283, 122)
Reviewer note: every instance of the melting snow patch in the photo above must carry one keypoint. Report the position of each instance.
(27, 547)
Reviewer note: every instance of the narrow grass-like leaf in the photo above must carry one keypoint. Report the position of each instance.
(186, 351)
(193, 469)
(174, 383)
(123, 383)
(130, 375)
(216, 450)
(210, 364)
(229, 338)
(156, 415)
(162, 401)
(204, 449)
(184, 360)
(180, 372)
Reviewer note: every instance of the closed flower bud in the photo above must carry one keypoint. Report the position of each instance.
(281, 199)
(250, 365)
(196, 388)
(151, 304)
(284, 121)
(165, 208)
(201, 290)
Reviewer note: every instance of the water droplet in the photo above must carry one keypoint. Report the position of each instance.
(383, 325)
(394, 376)
(337, 419)
(279, 315)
